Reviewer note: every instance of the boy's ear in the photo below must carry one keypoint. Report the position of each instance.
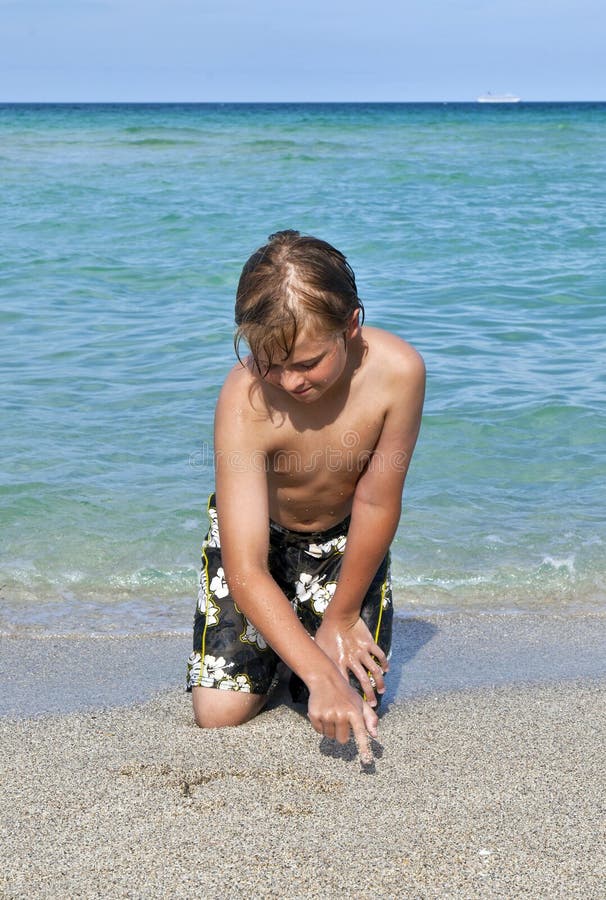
(354, 324)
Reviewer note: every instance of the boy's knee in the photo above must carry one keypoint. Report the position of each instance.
(224, 709)
(208, 718)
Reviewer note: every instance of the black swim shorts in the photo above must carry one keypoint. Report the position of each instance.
(228, 651)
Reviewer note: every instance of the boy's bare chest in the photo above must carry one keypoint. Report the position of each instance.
(340, 445)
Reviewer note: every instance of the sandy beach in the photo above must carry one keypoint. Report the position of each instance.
(482, 791)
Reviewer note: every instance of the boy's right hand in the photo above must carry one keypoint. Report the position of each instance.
(335, 710)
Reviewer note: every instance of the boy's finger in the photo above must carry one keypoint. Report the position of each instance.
(367, 683)
(375, 675)
(341, 731)
(330, 730)
(364, 751)
(371, 720)
(362, 734)
(380, 657)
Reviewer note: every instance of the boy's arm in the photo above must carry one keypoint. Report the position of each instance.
(375, 515)
(241, 490)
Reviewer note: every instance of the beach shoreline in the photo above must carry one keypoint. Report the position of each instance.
(55, 674)
(477, 789)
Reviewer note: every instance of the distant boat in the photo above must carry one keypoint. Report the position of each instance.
(498, 98)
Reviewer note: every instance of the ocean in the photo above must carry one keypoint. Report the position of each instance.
(476, 232)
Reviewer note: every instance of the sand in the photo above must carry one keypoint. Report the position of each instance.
(479, 792)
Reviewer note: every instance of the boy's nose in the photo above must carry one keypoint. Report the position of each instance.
(291, 381)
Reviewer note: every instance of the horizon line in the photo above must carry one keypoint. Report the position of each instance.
(473, 102)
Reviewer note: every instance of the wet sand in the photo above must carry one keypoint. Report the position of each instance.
(44, 674)
(482, 791)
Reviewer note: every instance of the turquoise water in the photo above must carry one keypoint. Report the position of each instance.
(476, 233)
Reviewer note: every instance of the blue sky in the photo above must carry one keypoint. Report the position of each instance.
(225, 50)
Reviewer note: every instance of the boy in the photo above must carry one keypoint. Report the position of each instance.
(314, 432)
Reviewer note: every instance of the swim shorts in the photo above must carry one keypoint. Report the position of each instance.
(229, 653)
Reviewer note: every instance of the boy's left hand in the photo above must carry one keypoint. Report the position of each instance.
(351, 647)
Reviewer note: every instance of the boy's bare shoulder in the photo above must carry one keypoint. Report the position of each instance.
(238, 381)
(392, 356)
(241, 397)
(396, 375)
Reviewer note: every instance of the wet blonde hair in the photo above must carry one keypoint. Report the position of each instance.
(290, 282)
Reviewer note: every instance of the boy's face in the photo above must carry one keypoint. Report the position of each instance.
(315, 364)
